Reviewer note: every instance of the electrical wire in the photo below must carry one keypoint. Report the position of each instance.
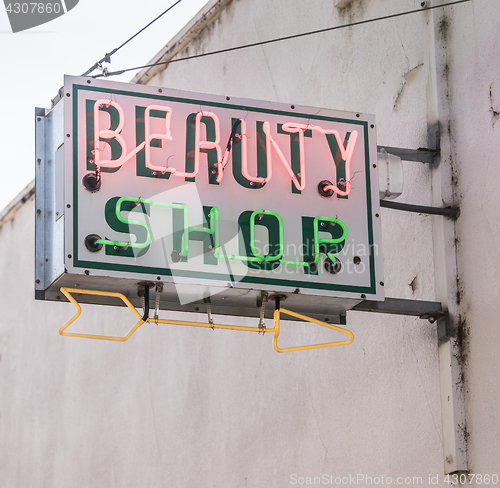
(107, 57)
(279, 39)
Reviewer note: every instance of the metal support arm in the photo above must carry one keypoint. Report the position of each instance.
(420, 155)
(407, 207)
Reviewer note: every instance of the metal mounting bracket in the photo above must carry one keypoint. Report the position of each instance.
(421, 155)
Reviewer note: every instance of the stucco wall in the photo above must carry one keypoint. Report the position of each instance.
(181, 407)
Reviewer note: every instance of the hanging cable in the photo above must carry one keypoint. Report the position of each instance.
(107, 57)
(279, 39)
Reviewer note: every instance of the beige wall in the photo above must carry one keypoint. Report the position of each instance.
(181, 407)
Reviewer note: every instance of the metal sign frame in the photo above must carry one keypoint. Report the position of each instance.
(60, 261)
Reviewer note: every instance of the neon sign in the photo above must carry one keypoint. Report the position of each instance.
(210, 191)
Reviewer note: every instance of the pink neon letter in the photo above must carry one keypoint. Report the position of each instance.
(108, 134)
(203, 144)
(294, 128)
(346, 153)
(149, 137)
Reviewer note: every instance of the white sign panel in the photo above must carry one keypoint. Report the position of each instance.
(208, 191)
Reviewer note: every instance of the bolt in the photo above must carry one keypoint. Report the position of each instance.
(252, 183)
(38, 160)
(209, 248)
(432, 320)
(87, 272)
(68, 135)
(363, 296)
(153, 173)
(423, 4)
(372, 126)
(382, 283)
(69, 206)
(377, 215)
(69, 256)
(158, 278)
(357, 115)
(227, 98)
(115, 248)
(88, 81)
(322, 224)
(160, 90)
(38, 119)
(67, 94)
(293, 106)
(38, 281)
(374, 165)
(38, 211)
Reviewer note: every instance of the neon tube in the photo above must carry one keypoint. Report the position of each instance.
(149, 137)
(203, 144)
(346, 153)
(318, 241)
(111, 134)
(185, 239)
(221, 165)
(252, 235)
(293, 128)
(212, 230)
(244, 159)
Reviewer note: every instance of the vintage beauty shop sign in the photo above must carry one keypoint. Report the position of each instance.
(171, 186)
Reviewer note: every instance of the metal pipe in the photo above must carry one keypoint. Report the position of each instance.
(406, 207)
(422, 155)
